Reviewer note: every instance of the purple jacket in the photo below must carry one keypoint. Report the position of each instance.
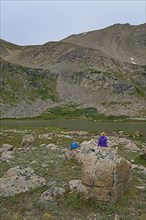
(102, 141)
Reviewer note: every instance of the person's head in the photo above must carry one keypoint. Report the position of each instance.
(102, 134)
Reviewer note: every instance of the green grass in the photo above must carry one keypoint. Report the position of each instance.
(27, 84)
(75, 112)
(141, 92)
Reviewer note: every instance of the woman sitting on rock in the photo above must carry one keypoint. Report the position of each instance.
(102, 140)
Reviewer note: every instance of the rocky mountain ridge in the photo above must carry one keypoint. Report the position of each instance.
(92, 69)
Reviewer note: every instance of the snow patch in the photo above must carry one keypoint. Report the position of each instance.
(132, 60)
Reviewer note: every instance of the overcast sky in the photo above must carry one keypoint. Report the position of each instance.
(27, 22)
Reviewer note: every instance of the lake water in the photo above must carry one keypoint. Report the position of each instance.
(78, 125)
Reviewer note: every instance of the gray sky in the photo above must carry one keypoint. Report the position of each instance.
(27, 22)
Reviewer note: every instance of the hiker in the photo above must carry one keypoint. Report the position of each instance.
(102, 140)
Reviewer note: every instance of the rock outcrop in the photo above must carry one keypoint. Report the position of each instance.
(105, 176)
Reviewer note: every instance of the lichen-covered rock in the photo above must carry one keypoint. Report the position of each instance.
(19, 179)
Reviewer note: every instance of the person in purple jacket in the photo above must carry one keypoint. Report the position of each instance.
(102, 140)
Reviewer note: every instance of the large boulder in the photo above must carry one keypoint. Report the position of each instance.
(19, 179)
(105, 175)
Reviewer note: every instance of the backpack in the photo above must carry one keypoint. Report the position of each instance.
(74, 145)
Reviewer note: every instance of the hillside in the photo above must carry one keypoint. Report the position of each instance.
(125, 42)
(87, 70)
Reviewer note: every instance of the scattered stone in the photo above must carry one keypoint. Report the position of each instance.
(142, 170)
(142, 188)
(42, 145)
(28, 141)
(19, 179)
(43, 136)
(131, 147)
(143, 153)
(33, 162)
(7, 155)
(75, 185)
(117, 217)
(52, 147)
(6, 147)
(44, 165)
(134, 166)
(52, 194)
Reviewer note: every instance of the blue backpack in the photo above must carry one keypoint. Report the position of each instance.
(74, 145)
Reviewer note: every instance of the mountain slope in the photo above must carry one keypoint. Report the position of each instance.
(123, 42)
(29, 92)
(86, 70)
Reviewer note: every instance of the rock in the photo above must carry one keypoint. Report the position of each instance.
(33, 162)
(131, 147)
(134, 166)
(28, 141)
(6, 147)
(75, 185)
(19, 179)
(142, 170)
(117, 217)
(43, 136)
(105, 176)
(44, 165)
(7, 155)
(141, 188)
(51, 147)
(143, 153)
(88, 146)
(52, 194)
